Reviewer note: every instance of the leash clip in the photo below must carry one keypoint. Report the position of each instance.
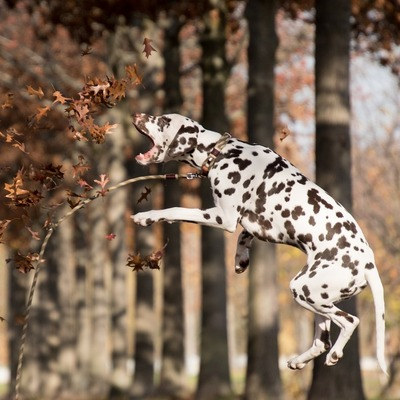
(193, 175)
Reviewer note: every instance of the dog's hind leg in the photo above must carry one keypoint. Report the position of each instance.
(321, 343)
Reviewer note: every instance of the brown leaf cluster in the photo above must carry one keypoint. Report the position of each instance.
(151, 261)
(20, 196)
(24, 264)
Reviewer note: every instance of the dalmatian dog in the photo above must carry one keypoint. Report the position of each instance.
(273, 201)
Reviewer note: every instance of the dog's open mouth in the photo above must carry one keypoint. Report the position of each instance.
(144, 158)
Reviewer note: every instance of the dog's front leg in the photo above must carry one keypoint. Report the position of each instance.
(214, 217)
(242, 251)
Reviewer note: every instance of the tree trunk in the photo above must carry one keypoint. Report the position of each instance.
(262, 377)
(333, 169)
(172, 379)
(100, 312)
(214, 377)
(145, 321)
(116, 218)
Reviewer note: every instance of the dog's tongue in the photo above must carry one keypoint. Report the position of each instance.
(146, 157)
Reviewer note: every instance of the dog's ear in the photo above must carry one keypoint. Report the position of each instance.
(184, 141)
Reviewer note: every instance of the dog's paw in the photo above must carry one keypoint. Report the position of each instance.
(294, 363)
(241, 261)
(333, 357)
(142, 219)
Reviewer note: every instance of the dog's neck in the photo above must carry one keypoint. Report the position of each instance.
(208, 147)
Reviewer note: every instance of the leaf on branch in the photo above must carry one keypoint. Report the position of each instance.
(24, 264)
(83, 184)
(19, 196)
(148, 48)
(34, 234)
(144, 195)
(3, 226)
(48, 175)
(9, 101)
(102, 182)
(35, 92)
(80, 168)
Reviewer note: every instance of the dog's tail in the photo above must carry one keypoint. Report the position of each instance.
(375, 283)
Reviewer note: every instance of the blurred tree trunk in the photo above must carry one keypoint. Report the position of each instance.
(83, 305)
(145, 321)
(262, 377)
(67, 358)
(333, 170)
(214, 377)
(100, 341)
(116, 218)
(172, 379)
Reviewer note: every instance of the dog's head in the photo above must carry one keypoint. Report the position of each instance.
(173, 136)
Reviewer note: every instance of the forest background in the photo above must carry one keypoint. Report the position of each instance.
(105, 321)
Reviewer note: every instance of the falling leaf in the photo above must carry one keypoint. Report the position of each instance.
(111, 236)
(144, 195)
(284, 133)
(152, 261)
(59, 98)
(41, 112)
(86, 51)
(135, 262)
(148, 48)
(133, 75)
(35, 92)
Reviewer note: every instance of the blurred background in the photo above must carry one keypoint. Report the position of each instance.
(318, 82)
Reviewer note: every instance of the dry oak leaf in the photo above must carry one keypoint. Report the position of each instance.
(133, 74)
(35, 92)
(42, 111)
(135, 262)
(102, 182)
(24, 264)
(148, 48)
(284, 133)
(81, 168)
(86, 51)
(59, 98)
